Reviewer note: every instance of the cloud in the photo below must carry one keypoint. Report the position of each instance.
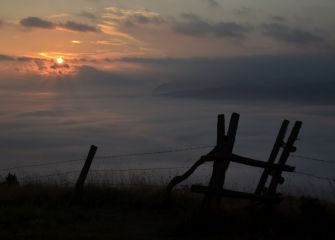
(88, 15)
(288, 34)
(302, 80)
(59, 15)
(230, 29)
(18, 58)
(282, 79)
(26, 66)
(243, 11)
(131, 17)
(142, 19)
(36, 22)
(278, 18)
(79, 27)
(57, 66)
(6, 58)
(195, 26)
(212, 3)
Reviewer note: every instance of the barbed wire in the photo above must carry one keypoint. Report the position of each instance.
(313, 159)
(314, 176)
(39, 164)
(158, 168)
(107, 157)
(59, 174)
(114, 170)
(138, 169)
(153, 153)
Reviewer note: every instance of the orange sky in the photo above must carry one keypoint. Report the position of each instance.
(91, 31)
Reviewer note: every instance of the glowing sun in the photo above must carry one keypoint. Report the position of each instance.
(60, 60)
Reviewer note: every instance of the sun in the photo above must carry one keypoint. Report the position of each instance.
(60, 60)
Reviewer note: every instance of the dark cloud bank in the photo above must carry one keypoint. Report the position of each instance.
(194, 25)
(285, 79)
(288, 34)
(271, 79)
(36, 22)
(299, 80)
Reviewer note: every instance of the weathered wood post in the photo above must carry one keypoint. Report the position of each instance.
(275, 150)
(288, 148)
(224, 148)
(84, 171)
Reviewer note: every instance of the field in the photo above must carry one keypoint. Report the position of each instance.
(37, 211)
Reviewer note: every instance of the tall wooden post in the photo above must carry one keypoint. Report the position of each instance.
(288, 148)
(84, 171)
(224, 148)
(219, 166)
(275, 150)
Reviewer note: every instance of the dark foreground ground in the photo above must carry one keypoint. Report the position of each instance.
(44, 212)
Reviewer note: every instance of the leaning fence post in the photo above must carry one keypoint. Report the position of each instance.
(288, 148)
(84, 171)
(275, 150)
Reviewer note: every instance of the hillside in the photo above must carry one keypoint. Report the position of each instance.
(44, 212)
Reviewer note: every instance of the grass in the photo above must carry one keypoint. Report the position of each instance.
(43, 211)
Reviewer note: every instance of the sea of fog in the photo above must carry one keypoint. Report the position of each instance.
(44, 127)
(46, 120)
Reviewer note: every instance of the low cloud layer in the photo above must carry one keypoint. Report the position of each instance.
(302, 80)
(282, 79)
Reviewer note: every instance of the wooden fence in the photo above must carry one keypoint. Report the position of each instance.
(222, 155)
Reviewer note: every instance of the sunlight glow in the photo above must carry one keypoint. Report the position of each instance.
(60, 60)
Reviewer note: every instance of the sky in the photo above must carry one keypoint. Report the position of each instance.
(148, 75)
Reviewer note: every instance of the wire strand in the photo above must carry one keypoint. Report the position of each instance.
(39, 165)
(314, 176)
(313, 159)
(137, 169)
(153, 153)
(106, 157)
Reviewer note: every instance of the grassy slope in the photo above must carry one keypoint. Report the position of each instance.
(43, 212)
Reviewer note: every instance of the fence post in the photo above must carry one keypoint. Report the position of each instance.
(84, 171)
(275, 150)
(224, 148)
(288, 148)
